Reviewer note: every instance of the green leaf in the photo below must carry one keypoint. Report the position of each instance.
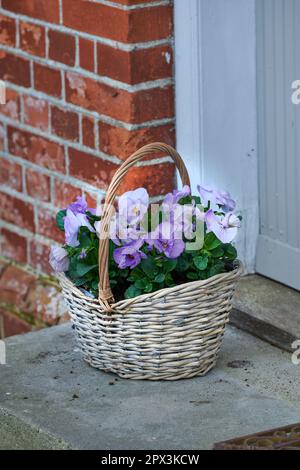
(182, 264)
(141, 283)
(169, 281)
(192, 276)
(197, 200)
(132, 292)
(149, 267)
(169, 265)
(148, 288)
(82, 269)
(60, 220)
(201, 262)
(160, 278)
(211, 241)
(79, 282)
(217, 252)
(217, 268)
(230, 251)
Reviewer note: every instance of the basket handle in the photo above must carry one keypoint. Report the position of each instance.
(105, 294)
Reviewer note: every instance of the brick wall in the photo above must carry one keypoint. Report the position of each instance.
(88, 82)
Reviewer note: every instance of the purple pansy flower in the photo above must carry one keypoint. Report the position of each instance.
(181, 193)
(225, 228)
(172, 198)
(121, 234)
(133, 205)
(127, 225)
(58, 259)
(129, 256)
(79, 206)
(216, 197)
(72, 223)
(83, 254)
(164, 241)
(183, 218)
(176, 213)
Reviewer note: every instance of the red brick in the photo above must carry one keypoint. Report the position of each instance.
(65, 124)
(157, 103)
(13, 246)
(14, 69)
(91, 169)
(138, 107)
(137, 66)
(62, 47)
(41, 9)
(12, 324)
(16, 211)
(86, 54)
(2, 137)
(36, 113)
(47, 226)
(122, 143)
(10, 174)
(65, 194)
(88, 131)
(47, 80)
(39, 257)
(36, 149)
(157, 179)
(38, 185)
(91, 199)
(45, 303)
(14, 285)
(7, 31)
(143, 24)
(32, 38)
(149, 24)
(12, 106)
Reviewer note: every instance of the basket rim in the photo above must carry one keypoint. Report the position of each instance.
(234, 274)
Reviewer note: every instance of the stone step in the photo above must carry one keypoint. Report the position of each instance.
(49, 397)
(268, 310)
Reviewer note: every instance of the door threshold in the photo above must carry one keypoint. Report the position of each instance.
(268, 310)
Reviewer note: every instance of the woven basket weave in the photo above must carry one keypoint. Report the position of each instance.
(171, 334)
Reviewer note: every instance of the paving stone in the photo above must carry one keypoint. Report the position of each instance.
(49, 388)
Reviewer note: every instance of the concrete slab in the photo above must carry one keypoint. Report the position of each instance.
(268, 310)
(15, 434)
(47, 388)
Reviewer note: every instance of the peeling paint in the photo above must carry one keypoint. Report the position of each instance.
(12, 109)
(36, 104)
(168, 57)
(31, 32)
(76, 83)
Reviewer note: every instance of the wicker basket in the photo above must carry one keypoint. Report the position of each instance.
(171, 334)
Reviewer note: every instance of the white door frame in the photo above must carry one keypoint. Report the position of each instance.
(216, 104)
